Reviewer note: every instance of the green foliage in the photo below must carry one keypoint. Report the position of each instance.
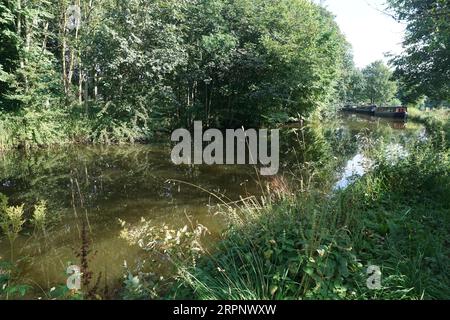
(137, 68)
(437, 123)
(169, 247)
(407, 225)
(357, 88)
(135, 289)
(11, 221)
(423, 67)
(32, 127)
(40, 219)
(9, 288)
(316, 246)
(11, 224)
(379, 88)
(279, 253)
(373, 84)
(29, 77)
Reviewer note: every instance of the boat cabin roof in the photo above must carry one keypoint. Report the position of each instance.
(393, 109)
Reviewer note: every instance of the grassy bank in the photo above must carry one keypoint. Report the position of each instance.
(319, 245)
(436, 121)
(302, 239)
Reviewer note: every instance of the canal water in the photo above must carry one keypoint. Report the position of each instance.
(101, 185)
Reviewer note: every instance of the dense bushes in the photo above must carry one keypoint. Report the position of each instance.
(136, 67)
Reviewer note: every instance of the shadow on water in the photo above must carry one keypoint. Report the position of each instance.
(104, 184)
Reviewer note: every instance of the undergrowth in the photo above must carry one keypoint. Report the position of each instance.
(317, 245)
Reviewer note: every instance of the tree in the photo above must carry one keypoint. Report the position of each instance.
(27, 69)
(129, 68)
(379, 88)
(424, 67)
(356, 88)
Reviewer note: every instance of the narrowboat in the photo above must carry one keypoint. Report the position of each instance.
(373, 110)
(370, 110)
(392, 112)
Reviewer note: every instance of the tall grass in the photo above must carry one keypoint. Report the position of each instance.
(317, 245)
(437, 122)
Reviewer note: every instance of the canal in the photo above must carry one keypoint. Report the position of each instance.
(99, 186)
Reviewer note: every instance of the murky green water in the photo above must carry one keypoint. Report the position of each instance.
(101, 185)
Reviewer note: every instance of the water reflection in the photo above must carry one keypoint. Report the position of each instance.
(365, 129)
(103, 184)
(355, 168)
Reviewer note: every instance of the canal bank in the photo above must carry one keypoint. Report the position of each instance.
(100, 185)
(310, 245)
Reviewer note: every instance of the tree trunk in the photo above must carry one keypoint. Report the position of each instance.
(64, 49)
